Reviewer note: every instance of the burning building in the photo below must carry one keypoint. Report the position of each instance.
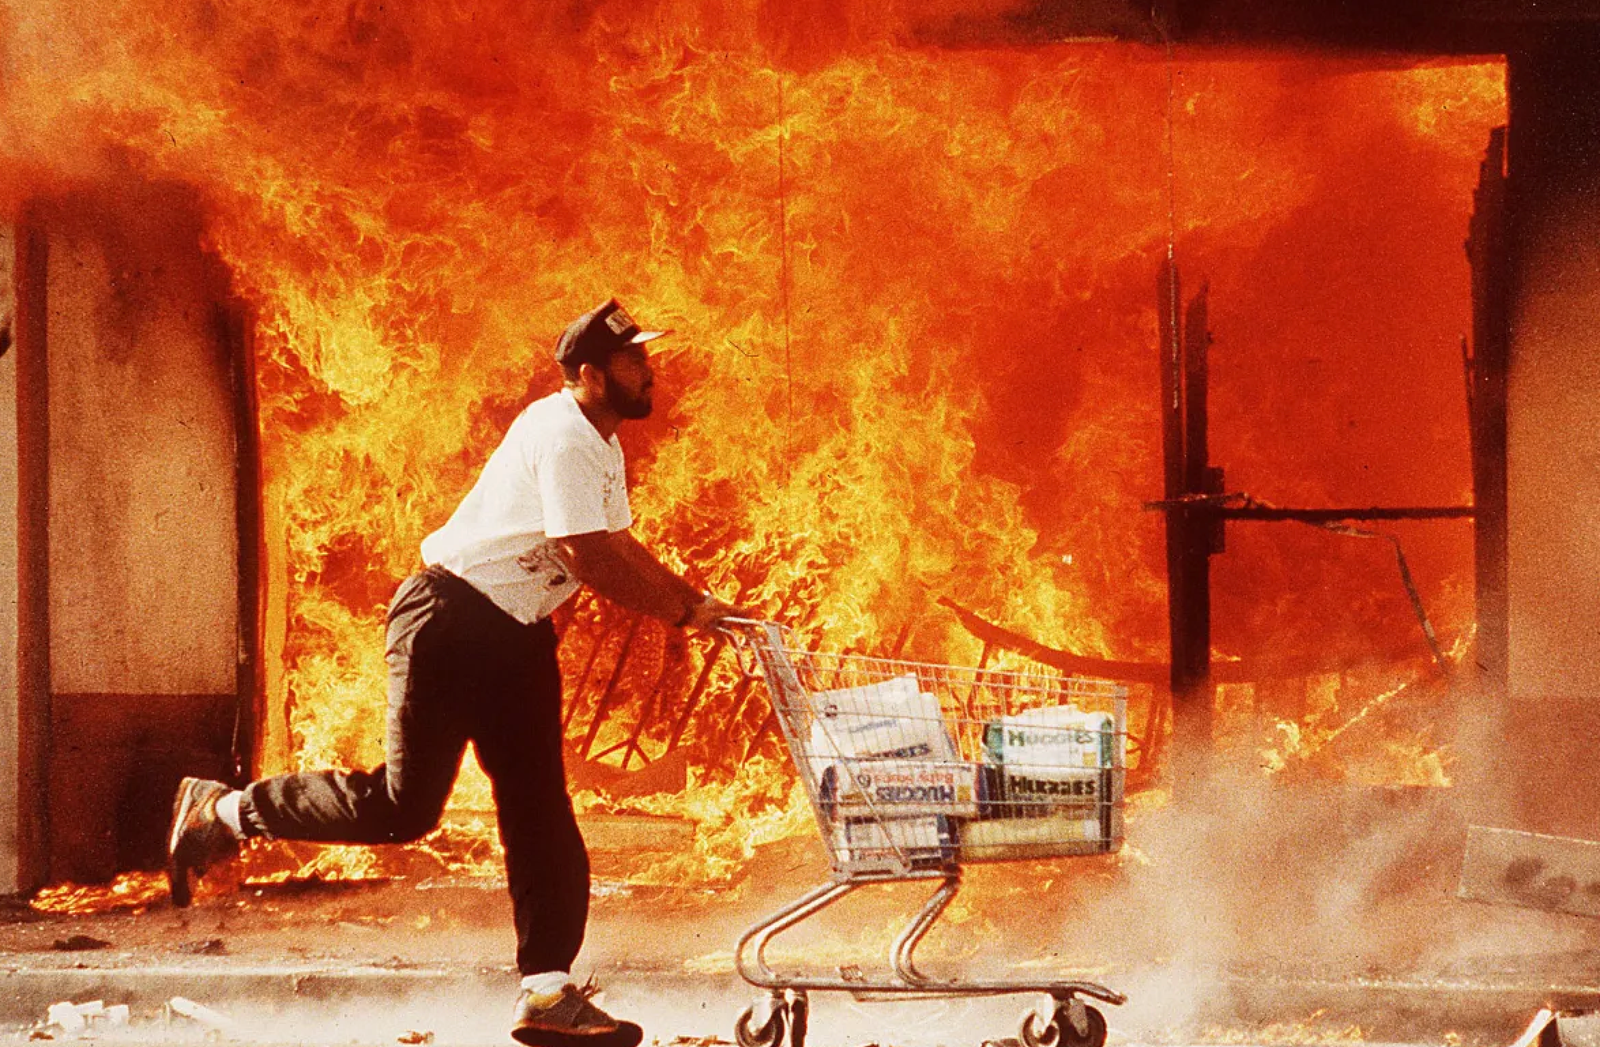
(281, 275)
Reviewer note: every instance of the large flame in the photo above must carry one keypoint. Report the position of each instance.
(916, 295)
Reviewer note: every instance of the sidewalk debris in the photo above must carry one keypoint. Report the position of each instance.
(1565, 1028)
(78, 943)
(214, 1020)
(75, 1018)
(1531, 870)
(414, 1036)
(1536, 1029)
(205, 947)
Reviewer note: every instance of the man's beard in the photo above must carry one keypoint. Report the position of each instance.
(625, 404)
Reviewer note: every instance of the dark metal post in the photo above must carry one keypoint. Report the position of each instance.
(1171, 353)
(1167, 291)
(1189, 526)
(1488, 251)
(1191, 651)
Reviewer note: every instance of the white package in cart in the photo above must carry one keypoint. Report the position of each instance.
(890, 719)
(1055, 738)
(929, 840)
(881, 788)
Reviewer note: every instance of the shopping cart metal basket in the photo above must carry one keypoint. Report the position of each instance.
(914, 770)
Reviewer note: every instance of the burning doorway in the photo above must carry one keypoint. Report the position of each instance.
(918, 285)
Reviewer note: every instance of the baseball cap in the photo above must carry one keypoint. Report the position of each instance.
(594, 336)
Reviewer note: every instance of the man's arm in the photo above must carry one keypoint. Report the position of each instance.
(617, 567)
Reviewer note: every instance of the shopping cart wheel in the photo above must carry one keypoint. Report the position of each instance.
(799, 1019)
(1062, 1031)
(768, 1035)
(1032, 1036)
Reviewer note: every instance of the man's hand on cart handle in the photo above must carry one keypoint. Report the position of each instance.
(708, 613)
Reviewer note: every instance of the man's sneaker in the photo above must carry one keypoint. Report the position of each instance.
(198, 839)
(568, 1019)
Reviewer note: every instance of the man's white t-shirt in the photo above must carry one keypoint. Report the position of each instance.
(552, 476)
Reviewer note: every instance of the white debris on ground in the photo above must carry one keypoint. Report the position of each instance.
(199, 1012)
(74, 1019)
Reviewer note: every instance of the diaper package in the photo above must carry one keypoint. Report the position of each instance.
(1052, 835)
(1056, 737)
(920, 842)
(893, 788)
(892, 719)
(1052, 761)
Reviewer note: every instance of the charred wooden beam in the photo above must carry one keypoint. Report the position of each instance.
(739, 702)
(769, 723)
(602, 706)
(575, 694)
(692, 702)
(1079, 665)
(631, 747)
(720, 644)
(1159, 673)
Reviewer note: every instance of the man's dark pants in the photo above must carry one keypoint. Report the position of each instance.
(460, 669)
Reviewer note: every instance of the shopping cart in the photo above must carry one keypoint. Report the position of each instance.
(915, 770)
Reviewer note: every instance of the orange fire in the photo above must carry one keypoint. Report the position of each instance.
(128, 891)
(915, 291)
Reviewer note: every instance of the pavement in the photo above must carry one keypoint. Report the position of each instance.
(1314, 958)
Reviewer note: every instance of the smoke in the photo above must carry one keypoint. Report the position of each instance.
(1245, 903)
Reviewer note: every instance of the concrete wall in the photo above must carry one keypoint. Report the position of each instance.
(125, 528)
(1553, 438)
(1554, 446)
(143, 549)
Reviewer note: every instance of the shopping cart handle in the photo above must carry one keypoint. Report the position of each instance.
(744, 634)
(723, 625)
